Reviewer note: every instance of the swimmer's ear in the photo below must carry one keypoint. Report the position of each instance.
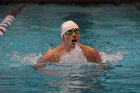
(62, 38)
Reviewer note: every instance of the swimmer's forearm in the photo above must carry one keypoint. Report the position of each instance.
(97, 57)
(99, 60)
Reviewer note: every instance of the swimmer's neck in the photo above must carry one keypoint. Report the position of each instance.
(68, 48)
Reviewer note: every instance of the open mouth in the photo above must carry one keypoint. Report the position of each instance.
(74, 41)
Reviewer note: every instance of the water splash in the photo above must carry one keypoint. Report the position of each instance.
(71, 59)
(74, 57)
(29, 59)
(112, 57)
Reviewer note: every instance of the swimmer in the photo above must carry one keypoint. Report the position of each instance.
(70, 34)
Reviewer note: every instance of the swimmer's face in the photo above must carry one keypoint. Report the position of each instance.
(71, 37)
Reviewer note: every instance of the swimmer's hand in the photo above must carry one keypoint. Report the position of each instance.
(103, 66)
(43, 60)
(39, 64)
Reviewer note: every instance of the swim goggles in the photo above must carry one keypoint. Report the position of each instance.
(70, 32)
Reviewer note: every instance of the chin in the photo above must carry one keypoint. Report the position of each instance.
(74, 44)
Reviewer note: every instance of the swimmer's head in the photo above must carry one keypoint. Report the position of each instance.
(67, 26)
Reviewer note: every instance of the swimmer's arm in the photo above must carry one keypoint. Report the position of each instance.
(97, 57)
(91, 54)
(43, 60)
(39, 64)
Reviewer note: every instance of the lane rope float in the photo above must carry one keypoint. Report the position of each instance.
(7, 21)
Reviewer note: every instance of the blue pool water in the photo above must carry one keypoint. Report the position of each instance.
(112, 30)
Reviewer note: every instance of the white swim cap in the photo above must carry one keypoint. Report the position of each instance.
(67, 26)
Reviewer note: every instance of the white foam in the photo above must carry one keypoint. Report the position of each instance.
(29, 59)
(112, 57)
(73, 57)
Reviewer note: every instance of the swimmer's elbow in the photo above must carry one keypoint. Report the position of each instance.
(98, 59)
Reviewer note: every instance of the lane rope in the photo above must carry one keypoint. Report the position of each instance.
(7, 21)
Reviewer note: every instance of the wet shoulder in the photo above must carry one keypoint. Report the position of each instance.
(52, 55)
(58, 50)
(91, 54)
(86, 48)
(57, 53)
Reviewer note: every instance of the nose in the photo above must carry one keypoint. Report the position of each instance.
(74, 34)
